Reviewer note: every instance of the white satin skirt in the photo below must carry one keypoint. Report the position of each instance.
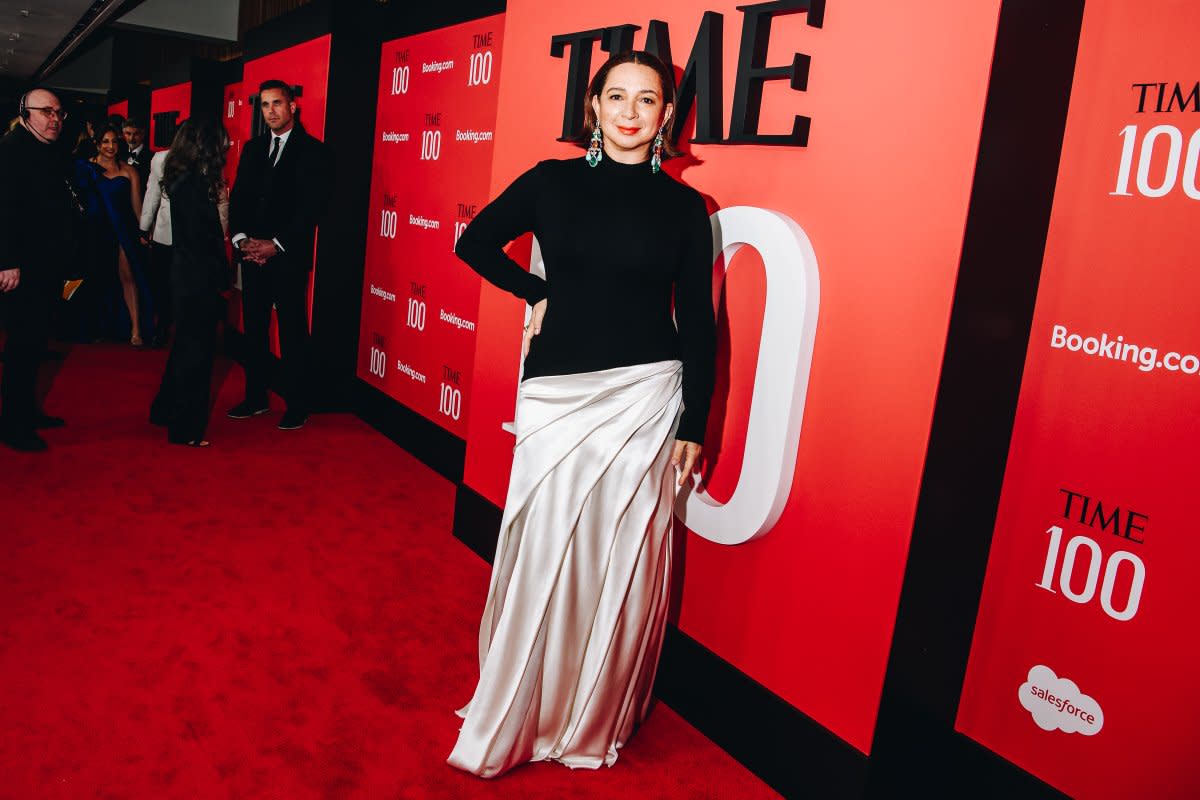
(573, 626)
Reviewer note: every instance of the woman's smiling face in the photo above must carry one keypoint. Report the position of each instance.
(630, 110)
(108, 145)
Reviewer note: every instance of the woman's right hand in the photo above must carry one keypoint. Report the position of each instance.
(534, 327)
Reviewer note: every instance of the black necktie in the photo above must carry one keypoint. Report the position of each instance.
(275, 150)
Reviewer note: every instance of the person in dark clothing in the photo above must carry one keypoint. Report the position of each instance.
(85, 143)
(283, 181)
(138, 153)
(193, 180)
(36, 232)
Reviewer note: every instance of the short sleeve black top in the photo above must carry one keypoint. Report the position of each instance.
(621, 245)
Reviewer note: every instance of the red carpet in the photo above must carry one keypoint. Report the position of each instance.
(283, 615)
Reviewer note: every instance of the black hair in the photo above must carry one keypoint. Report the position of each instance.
(107, 127)
(282, 86)
(199, 146)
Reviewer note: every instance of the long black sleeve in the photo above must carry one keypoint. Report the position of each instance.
(481, 245)
(10, 223)
(37, 220)
(697, 322)
(621, 244)
(317, 168)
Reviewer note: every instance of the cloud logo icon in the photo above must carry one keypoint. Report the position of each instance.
(1057, 704)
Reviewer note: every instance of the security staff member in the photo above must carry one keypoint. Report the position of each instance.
(37, 226)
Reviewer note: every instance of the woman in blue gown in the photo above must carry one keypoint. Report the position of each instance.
(112, 193)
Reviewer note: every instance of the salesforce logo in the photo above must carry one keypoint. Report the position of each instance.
(1057, 704)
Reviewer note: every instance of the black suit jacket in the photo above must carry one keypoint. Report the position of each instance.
(284, 202)
(198, 244)
(39, 226)
(143, 165)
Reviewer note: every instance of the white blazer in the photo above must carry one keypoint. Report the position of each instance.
(156, 206)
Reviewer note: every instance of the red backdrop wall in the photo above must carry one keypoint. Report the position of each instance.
(176, 98)
(235, 115)
(431, 172)
(1082, 670)
(837, 312)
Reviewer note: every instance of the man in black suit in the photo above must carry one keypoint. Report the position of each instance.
(139, 152)
(37, 217)
(279, 195)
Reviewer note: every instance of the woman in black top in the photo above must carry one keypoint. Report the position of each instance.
(573, 625)
(193, 180)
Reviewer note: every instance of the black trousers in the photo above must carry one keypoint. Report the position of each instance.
(183, 395)
(160, 289)
(27, 310)
(282, 285)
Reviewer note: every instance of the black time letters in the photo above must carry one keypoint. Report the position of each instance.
(701, 83)
(1091, 511)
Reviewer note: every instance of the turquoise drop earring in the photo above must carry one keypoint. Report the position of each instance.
(656, 158)
(595, 150)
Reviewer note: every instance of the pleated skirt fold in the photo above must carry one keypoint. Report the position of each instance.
(572, 629)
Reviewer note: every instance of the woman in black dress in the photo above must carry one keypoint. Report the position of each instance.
(193, 180)
(573, 625)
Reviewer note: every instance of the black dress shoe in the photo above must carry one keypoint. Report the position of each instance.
(45, 421)
(292, 421)
(246, 410)
(24, 441)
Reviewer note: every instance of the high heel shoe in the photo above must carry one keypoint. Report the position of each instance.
(136, 341)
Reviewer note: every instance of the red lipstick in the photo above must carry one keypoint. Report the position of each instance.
(628, 131)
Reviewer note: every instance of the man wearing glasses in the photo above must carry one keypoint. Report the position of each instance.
(36, 232)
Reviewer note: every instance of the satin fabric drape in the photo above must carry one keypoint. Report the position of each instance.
(572, 629)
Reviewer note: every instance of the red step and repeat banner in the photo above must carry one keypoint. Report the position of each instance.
(305, 67)
(836, 278)
(121, 108)
(431, 172)
(1083, 670)
(169, 106)
(235, 116)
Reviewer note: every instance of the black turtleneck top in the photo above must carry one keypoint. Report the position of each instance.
(620, 243)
